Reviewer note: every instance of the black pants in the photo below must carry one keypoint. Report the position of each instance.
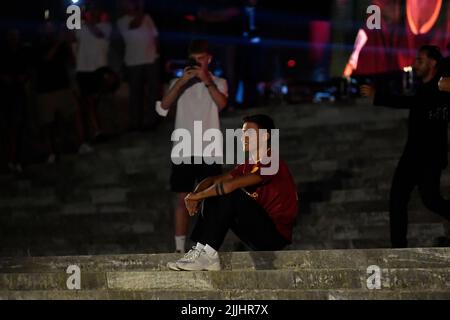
(143, 80)
(244, 216)
(409, 174)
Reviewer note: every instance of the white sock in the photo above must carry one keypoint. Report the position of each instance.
(180, 242)
(199, 246)
(210, 251)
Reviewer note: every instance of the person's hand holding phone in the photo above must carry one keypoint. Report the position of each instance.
(444, 84)
(189, 74)
(205, 76)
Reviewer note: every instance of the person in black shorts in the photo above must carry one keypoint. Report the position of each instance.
(198, 96)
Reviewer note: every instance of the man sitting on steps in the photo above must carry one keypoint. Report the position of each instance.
(260, 209)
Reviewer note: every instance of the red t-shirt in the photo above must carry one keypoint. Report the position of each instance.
(277, 194)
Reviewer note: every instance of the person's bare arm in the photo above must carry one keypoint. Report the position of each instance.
(96, 31)
(219, 188)
(388, 100)
(171, 97)
(220, 99)
(193, 205)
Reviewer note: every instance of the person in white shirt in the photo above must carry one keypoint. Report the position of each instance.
(198, 96)
(141, 55)
(92, 46)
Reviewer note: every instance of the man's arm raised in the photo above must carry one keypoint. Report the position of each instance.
(388, 100)
(177, 89)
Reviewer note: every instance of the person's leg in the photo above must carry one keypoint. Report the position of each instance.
(46, 106)
(83, 85)
(3, 143)
(136, 96)
(238, 212)
(402, 186)
(182, 181)
(94, 120)
(152, 75)
(430, 191)
(181, 222)
(19, 126)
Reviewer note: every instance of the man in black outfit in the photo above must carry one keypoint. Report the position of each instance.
(426, 152)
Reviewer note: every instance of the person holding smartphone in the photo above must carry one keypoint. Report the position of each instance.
(198, 96)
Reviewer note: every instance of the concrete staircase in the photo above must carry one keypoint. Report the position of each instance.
(325, 275)
(116, 201)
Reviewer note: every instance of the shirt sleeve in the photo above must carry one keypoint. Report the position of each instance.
(151, 25)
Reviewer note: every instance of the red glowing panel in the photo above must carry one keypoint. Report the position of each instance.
(190, 18)
(292, 63)
(422, 15)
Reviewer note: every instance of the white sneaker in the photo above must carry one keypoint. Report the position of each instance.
(201, 262)
(174, 265)
(85, 149)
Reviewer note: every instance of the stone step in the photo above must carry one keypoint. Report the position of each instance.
(360, 183)
(425, 258)
(248, 295)
(304, 279)
(352, 244)
(370, 218)
(324, 207)
(330, 231)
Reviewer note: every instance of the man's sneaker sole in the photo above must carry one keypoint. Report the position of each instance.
(186, 267)
(173, 266)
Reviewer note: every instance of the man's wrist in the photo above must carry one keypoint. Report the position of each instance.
(210, 84)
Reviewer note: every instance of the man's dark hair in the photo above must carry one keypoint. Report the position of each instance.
(432, 52)
(263, 122)
(198, 46)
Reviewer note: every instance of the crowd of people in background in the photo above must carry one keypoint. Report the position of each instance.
(58, 79)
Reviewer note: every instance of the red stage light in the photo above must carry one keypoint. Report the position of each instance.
(422, 15)
(190, 17)
(292, 63)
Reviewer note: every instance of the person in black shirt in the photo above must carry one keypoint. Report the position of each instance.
(56, 101)
(426, 152)
(444, 82)
(14, 77)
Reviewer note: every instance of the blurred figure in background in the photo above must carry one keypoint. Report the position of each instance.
(426, 152)
(224, 18)
(14, 74)
(92, 45)
(56, 100)
(141, 59)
